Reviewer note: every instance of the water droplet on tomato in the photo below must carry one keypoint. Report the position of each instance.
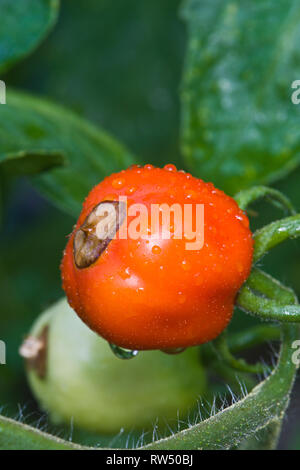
(185, 265)
(156, 250)
(123, 353)
(170, 167)
(118, 183)
(131, 190)
(125, 274)
(173, 350)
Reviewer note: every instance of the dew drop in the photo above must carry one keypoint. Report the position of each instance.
(170, 167)
(173, 350)
(131, 190)
(156, 250)
(118, 183)
(123, 353)
(125, 274)
(191, 195)
(243, 219)
(185, 265)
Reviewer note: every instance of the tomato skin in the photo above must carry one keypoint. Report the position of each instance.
(156, 294)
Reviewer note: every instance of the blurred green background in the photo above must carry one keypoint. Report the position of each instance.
(121, 67)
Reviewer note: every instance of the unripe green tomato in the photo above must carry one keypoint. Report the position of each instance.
(76, 376)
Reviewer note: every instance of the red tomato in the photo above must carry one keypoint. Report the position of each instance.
(151, 292)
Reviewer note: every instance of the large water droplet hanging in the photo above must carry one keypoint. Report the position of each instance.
(123, 353)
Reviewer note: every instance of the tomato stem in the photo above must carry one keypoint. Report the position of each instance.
(248, 196)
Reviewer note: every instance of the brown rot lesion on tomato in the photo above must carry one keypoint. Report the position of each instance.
(34, 351)
(97, 231)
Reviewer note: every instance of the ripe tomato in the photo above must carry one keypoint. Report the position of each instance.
(148, 290)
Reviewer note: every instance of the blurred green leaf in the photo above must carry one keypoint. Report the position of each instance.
(239, 125)
(119, 64)
(30, 163)
(33, 236)
(23, 25)
(31, 125)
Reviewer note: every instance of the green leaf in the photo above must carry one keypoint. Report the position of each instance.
(239, 126)
(30, 163)
(265, 439)
(31, 125)
(17, 436)
(119, 66)
(230, 427)
(23, 26)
